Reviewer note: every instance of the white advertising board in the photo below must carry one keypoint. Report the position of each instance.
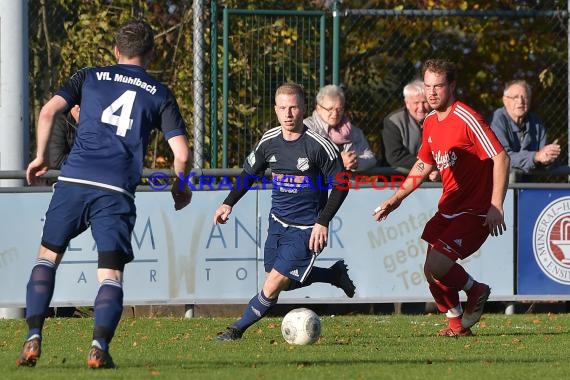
(182, 258)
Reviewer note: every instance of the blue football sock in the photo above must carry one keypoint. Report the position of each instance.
(108, 309)
(38, 295)
(257, 308)
(317, 274)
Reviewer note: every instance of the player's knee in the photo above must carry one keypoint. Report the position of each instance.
(109, 274)
(437, 263)
(274, 284)
(46, 253)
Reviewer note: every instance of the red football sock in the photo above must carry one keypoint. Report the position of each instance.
(445, 298)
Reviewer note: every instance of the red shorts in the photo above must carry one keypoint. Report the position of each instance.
(457, 237)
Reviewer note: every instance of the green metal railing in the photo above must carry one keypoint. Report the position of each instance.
(269, 48)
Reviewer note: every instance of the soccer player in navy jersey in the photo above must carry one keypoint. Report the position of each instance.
(120, 105)
(301, 163)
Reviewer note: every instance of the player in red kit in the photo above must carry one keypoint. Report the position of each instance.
(474, 172)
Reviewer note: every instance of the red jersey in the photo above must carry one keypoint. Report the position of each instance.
(461, 145)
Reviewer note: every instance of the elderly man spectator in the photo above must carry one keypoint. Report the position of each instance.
(521, 132)
(402, 129)
(329, 120)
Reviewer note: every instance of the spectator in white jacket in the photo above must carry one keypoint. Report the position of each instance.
(329, 120)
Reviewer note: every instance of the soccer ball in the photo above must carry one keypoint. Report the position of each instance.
(301, 326)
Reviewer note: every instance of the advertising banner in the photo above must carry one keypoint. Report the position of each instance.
(183, 258)
(543, 263)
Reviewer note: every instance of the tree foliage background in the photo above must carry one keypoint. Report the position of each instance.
(378, 55)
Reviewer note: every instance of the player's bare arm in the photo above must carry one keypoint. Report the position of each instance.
(181, 192)
(418, 174)
(420, 165)
(318, 239)
(495, 219)
(46, 119)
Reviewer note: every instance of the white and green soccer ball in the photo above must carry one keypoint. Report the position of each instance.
(301, 326)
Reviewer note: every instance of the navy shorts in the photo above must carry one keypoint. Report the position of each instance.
(111, 215)
(287, 251)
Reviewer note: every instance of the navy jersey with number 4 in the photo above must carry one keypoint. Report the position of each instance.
(303, 170)
(120, 105)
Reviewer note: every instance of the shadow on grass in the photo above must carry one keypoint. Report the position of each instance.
(275, 362)
(486, 333)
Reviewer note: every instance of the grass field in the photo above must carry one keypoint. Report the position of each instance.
(520, 346)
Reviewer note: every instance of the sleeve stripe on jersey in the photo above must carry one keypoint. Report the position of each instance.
(269, 135)
(477, 129)
(330, 148)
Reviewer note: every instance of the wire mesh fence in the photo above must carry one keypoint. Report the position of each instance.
(263, 49)
(490, 48)
(380, 51)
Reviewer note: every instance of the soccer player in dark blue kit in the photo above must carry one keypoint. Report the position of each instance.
(120, 105)
(300, 160)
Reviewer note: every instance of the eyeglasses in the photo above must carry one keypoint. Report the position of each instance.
(437, 87)
(332, 109)
(518, 97)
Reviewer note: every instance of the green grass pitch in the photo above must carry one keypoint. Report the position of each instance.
(520, 346)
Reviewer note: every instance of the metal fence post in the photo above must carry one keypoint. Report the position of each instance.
(198, 77)
(336, 43)
(14, 93)
(214, 84)
(225, 90)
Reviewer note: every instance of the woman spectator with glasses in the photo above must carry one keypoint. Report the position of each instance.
(521, 132)
(329, 120)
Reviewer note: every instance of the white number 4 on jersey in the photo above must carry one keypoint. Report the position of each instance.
(122, 121)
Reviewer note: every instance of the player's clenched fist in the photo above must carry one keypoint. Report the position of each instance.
(222, 214)
(182, 195)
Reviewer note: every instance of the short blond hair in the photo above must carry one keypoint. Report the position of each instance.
(291, 89)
